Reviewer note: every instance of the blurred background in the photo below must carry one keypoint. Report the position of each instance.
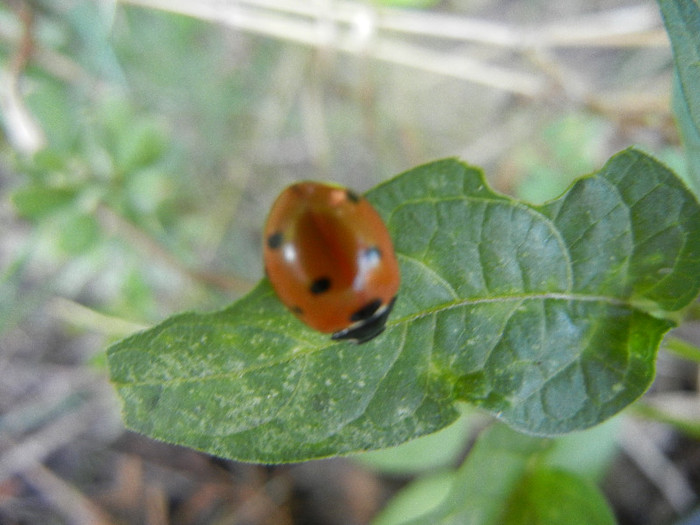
(142, 144)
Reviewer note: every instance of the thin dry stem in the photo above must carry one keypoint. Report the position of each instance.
(81, 316)
(360, 38)
(358, 28)
(114, 222)
(22, 129)
(648, 456)
(69, 501)
(33, 449)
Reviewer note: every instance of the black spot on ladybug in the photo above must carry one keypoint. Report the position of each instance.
(297, 310)
(320, 285)
(274, 241)
(366, 311)
(352, 196)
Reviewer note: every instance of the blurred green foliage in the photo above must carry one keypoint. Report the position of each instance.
(131, 184)
(155, 124)
(568, 148)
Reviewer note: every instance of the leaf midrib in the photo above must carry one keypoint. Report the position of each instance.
(558, 296)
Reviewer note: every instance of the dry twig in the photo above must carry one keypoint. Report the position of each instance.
(385, 34)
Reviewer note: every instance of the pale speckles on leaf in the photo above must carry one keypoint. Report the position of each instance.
(402, 412)
(535, 314)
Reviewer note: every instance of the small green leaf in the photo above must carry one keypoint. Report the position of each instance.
(552, 497)
(548, 317)
(79, 233)
(587, 453)
(690, 132)
(140, 145)
(575, 461)
(56, 110)
(146, 189)
(417, 499)
(38, 200)
(491, 474)
(682, 20)
(506, 480)
(566, 149)
(438, 450)
(44, 161)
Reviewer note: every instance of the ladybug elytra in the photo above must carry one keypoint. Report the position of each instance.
(330, 259)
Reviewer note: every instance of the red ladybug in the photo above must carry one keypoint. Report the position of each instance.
(330, 259)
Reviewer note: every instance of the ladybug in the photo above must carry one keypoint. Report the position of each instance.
(329, 258)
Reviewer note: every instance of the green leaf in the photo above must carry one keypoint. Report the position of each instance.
(38, 200)
(548, 317)
(54, 108)
(506, 480)
(147, 188)
(682, 20)
(690, 132)
(553, 497)
(438, 450)
(491, 474)
(521, 481)
(140, 145)
(416, 499)
(565, 149)
(587, 453)
(79, 233)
